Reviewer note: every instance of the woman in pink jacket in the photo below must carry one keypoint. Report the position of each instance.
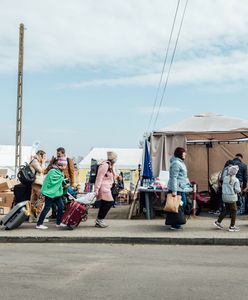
(104, 182)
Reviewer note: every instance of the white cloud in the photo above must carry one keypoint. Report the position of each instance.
(128, 37)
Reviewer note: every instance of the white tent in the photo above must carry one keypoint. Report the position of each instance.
(128, 158)
(210, 140)
(7, 157)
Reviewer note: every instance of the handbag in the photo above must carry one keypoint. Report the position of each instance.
(176, 218)
(115, 189)
(172, 203)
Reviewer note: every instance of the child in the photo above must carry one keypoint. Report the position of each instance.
(53, 191)
(230, 190)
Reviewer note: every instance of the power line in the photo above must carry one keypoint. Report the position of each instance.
(162, 72)
(168, 74)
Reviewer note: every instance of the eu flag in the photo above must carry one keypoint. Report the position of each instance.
(147, 164)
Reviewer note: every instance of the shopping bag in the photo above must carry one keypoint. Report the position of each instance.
(176, 218)
(172, 203)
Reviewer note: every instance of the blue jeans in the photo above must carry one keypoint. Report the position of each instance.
(184, 198)
(48, 204)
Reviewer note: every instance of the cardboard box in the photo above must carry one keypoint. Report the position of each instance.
(3, 172)
(6, 199)
(14, 182)
(4, 210)
(6, 184)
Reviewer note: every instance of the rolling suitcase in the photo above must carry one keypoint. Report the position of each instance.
(22, 193)
(16, 216)
(74, 214)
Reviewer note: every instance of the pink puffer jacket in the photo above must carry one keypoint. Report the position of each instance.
(104, 182)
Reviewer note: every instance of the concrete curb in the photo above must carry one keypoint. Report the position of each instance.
(128, 240)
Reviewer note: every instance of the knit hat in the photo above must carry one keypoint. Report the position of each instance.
(62, 161)
(111, 155)
(233, 170)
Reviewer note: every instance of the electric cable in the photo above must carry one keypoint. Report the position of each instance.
(172, 58)
(162, 72)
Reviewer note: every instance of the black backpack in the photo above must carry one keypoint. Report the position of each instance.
(94, 170)
(25, 174)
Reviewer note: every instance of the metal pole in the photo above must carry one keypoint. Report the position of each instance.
(18, 152)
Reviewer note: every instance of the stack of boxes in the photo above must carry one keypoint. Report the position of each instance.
(6, 193)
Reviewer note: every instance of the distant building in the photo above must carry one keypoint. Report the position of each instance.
(128, 163)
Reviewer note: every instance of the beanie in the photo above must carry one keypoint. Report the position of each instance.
(232, 170)
(62, 161)
(112, 155)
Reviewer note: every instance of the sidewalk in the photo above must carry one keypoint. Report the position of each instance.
(197, 231)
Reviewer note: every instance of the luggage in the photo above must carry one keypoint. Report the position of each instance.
(22, 193)
(17, 215)
(74, 214)
(175, 218)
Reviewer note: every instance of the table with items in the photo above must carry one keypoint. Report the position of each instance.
(151, 200)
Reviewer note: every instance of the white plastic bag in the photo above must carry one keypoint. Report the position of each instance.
(87, 198)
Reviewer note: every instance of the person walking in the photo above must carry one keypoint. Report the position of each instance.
(242, 171)
(103, 184)
(230, 189)
(69, 173)
(52, 189)
(37, 166)
(242, 177)
(178, 182)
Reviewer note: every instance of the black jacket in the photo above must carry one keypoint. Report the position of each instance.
(242, 173)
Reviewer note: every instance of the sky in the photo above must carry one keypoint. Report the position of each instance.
(92, 68)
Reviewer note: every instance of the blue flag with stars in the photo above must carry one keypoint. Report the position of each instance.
(147, 164)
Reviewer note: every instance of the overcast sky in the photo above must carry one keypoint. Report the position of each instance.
(92, 67)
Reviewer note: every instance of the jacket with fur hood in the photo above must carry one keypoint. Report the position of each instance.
(230, 189)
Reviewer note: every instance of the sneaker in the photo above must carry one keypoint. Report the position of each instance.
(217, 212)
(218, 225)
(101, 224)
(61, 225)
(41, 227)
(233, 229)
(176, 228)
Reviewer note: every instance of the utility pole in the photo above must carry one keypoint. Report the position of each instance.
(18, 151)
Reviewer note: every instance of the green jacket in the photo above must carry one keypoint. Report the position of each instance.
(52, 186)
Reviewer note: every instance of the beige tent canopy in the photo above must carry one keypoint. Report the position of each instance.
(210, 140)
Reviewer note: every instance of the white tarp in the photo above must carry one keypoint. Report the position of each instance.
(128, 158)
(208, 126)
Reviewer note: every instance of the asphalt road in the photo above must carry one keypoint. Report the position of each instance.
(88, 271)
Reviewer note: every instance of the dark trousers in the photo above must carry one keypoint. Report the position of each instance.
(229, 208)
(104, 209)
(48, 204)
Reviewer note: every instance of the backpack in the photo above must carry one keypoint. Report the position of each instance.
(94, 169)
(25, 174)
